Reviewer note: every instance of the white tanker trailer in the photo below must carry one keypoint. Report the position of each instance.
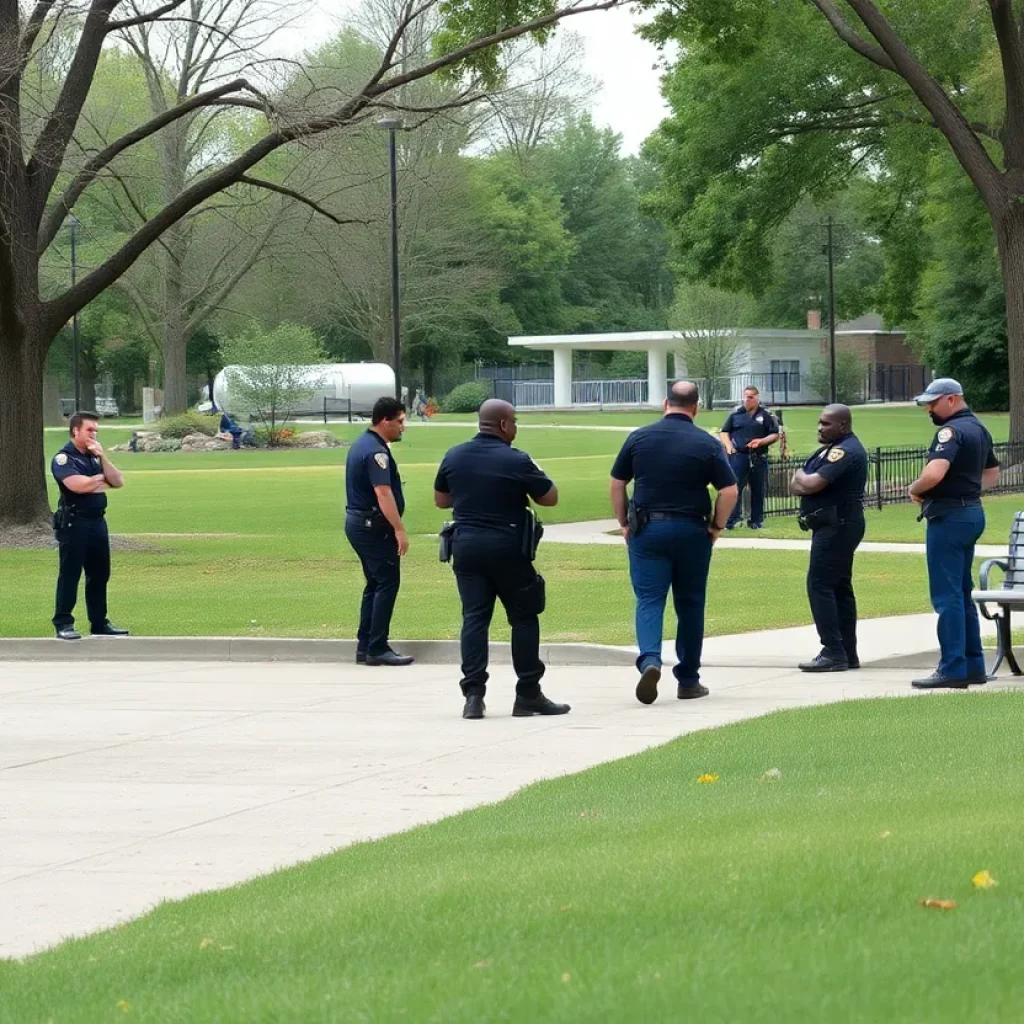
(345, 385)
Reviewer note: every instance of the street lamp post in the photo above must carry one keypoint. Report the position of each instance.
(392, 124)
(831, 321)
(73, 223)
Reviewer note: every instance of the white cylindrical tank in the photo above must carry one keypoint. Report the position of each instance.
(359, 383)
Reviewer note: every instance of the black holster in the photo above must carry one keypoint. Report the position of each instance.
(827, 516)
(533, 531)
(63, 520)
(444, 553)
(636, 519)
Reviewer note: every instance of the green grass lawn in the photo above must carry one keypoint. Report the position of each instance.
(629, 892)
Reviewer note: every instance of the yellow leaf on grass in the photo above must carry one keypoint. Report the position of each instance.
(205, 942)
(984, 880)
(124, 1006)
(708, 778)
(567, 977)
(938, 904)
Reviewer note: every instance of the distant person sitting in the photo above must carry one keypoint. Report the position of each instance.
(228, 426)
(420, 406)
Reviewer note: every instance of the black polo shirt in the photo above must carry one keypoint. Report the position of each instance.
(69, 461)
(490, 482)
(673, 461)
(964, 442)
(370, 464)
(844, 465)
(743, 426)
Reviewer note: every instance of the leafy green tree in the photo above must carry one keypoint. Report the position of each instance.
(851, 376)
(271, 372)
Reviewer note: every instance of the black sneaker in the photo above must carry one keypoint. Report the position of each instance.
(647, 688)
(474, 707)
(525, 707)
(360, 657)
(68, 633)
(691, 691)
(937, 681)
(825, 662)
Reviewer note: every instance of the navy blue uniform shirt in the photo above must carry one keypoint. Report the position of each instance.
(69, 461)
(743, 426)
(966, 444)
(844, 464)
(673, 461)
(489, 482)
(369, 464)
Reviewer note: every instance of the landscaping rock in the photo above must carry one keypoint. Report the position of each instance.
(203, 443)
(316, 439)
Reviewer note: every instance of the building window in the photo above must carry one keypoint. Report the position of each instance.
(785, 374)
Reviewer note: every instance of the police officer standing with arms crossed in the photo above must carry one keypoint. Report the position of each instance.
(84, 474)
(747, 434)
(831, 489)
(374, 505)
(961, 464)
(489, 485)
(669, 529)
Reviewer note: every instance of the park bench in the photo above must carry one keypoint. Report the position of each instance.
(1008, 597)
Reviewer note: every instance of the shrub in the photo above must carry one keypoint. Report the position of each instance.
(467, 397)
(267, 438)
(189, 423)
(851, 375)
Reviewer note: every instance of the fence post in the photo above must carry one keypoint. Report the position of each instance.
(325, 410)
(350, 403)
(878, 478)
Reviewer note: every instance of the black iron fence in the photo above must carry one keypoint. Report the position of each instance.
(890, 472)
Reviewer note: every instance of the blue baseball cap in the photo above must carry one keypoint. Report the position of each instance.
(941, 387)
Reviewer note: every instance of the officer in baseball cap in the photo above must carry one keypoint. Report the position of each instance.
(961, 464)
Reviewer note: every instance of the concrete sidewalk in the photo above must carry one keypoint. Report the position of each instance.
(606, 531)
(124, 784)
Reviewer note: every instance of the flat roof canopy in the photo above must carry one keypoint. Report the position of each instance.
(646, 340)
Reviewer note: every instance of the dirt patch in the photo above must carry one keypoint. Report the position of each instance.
(40, 536)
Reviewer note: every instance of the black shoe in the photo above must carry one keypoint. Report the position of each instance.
(937, 681)
(825, 662)
(730, 526)
(647, 688)
(68, 633)
(524, 707)
(360, 657)
(755, 526)
(979, 680)
(389, 658)
(852, 663)
(475, 706)
(109, 629)
(691, 691)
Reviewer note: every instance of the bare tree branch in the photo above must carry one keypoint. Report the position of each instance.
(270, 186)
(55, 216)
(143, 19)
(33, 27)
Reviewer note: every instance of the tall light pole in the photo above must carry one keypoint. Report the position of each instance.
(73, 222)
(393, 124)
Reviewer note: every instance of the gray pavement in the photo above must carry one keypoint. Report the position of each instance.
(123, 784)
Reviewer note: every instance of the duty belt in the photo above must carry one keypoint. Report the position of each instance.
(656, 517)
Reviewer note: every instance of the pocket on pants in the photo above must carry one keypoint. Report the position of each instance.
(532, 599)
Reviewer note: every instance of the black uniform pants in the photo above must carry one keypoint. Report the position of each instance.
(378, 554)
(488, 567)
(86, 546)
(830, 584)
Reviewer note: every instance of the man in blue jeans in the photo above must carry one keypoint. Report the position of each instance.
(961, 464)
(669, 533)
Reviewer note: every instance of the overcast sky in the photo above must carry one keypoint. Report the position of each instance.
(629, 101)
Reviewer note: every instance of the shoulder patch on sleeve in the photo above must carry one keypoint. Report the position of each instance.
(944, 435)
(61, 459)
(836, 454)
(381, 459)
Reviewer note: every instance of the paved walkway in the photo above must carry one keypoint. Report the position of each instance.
(125, 784)
(606, 531)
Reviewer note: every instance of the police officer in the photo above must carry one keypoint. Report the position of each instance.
(961, 464)
(669, 532)
(489, 484)
(747, 435)
(831, 489)
(84, 474)
(373, 525)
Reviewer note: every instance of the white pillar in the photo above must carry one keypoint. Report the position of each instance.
(563, 377)
(657, 374)
(148, 403)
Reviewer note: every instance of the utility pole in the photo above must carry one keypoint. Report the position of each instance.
(831, 321)
(72, 223)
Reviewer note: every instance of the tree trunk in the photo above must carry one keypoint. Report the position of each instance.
(173, 341)
(1010, 238)
(23, 498)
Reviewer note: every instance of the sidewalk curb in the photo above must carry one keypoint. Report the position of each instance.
(263, 649)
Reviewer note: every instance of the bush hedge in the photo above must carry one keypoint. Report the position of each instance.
(467, 397)
(188, 423)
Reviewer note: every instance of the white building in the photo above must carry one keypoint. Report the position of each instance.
(779, 359)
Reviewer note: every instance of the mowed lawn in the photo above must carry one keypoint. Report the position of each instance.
(787, 889)
(251, 543)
